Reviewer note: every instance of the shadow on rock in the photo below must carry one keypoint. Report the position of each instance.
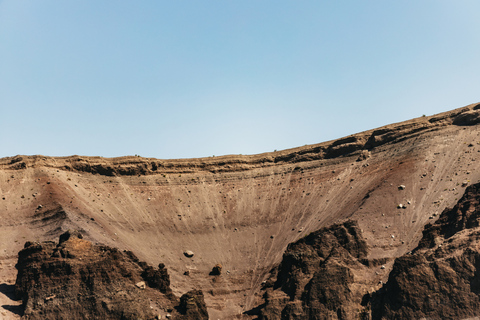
(18, 310)
(9, 291)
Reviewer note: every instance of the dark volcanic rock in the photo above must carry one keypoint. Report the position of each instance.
(216, 270)
(464, 215)
(320, 275)
(157, 278)
(316, 274)
(78, 280)
(192, 305)
(441, 278)
(70, 233)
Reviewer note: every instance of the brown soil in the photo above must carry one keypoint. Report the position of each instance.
(242, 211)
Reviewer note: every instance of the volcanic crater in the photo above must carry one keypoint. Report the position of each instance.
(277, 226)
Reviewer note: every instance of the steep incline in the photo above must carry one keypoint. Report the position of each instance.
(326, 275)
(439, 279)
(243, 211)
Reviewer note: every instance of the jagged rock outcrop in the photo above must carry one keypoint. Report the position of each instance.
(316, 277)
(75, 279)
(192, 305)
(440, 279)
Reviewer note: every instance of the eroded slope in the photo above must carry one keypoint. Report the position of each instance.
(243, 211)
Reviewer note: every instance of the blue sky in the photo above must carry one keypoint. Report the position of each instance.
(180, 79)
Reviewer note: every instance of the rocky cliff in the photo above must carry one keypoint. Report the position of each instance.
(75, 279)
(322, 276)
(440, 279)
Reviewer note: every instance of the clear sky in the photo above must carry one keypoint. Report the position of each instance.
(180, 79)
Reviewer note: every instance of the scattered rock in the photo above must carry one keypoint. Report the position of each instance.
(50, 297)
(188, 253)
(141, 285)
(364, 155)
(401, 187)
(70, 234)
(217, 270)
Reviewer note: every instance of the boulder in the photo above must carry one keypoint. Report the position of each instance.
(217, 270)
(188, 253)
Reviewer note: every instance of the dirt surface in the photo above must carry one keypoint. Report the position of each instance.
(242, 211)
